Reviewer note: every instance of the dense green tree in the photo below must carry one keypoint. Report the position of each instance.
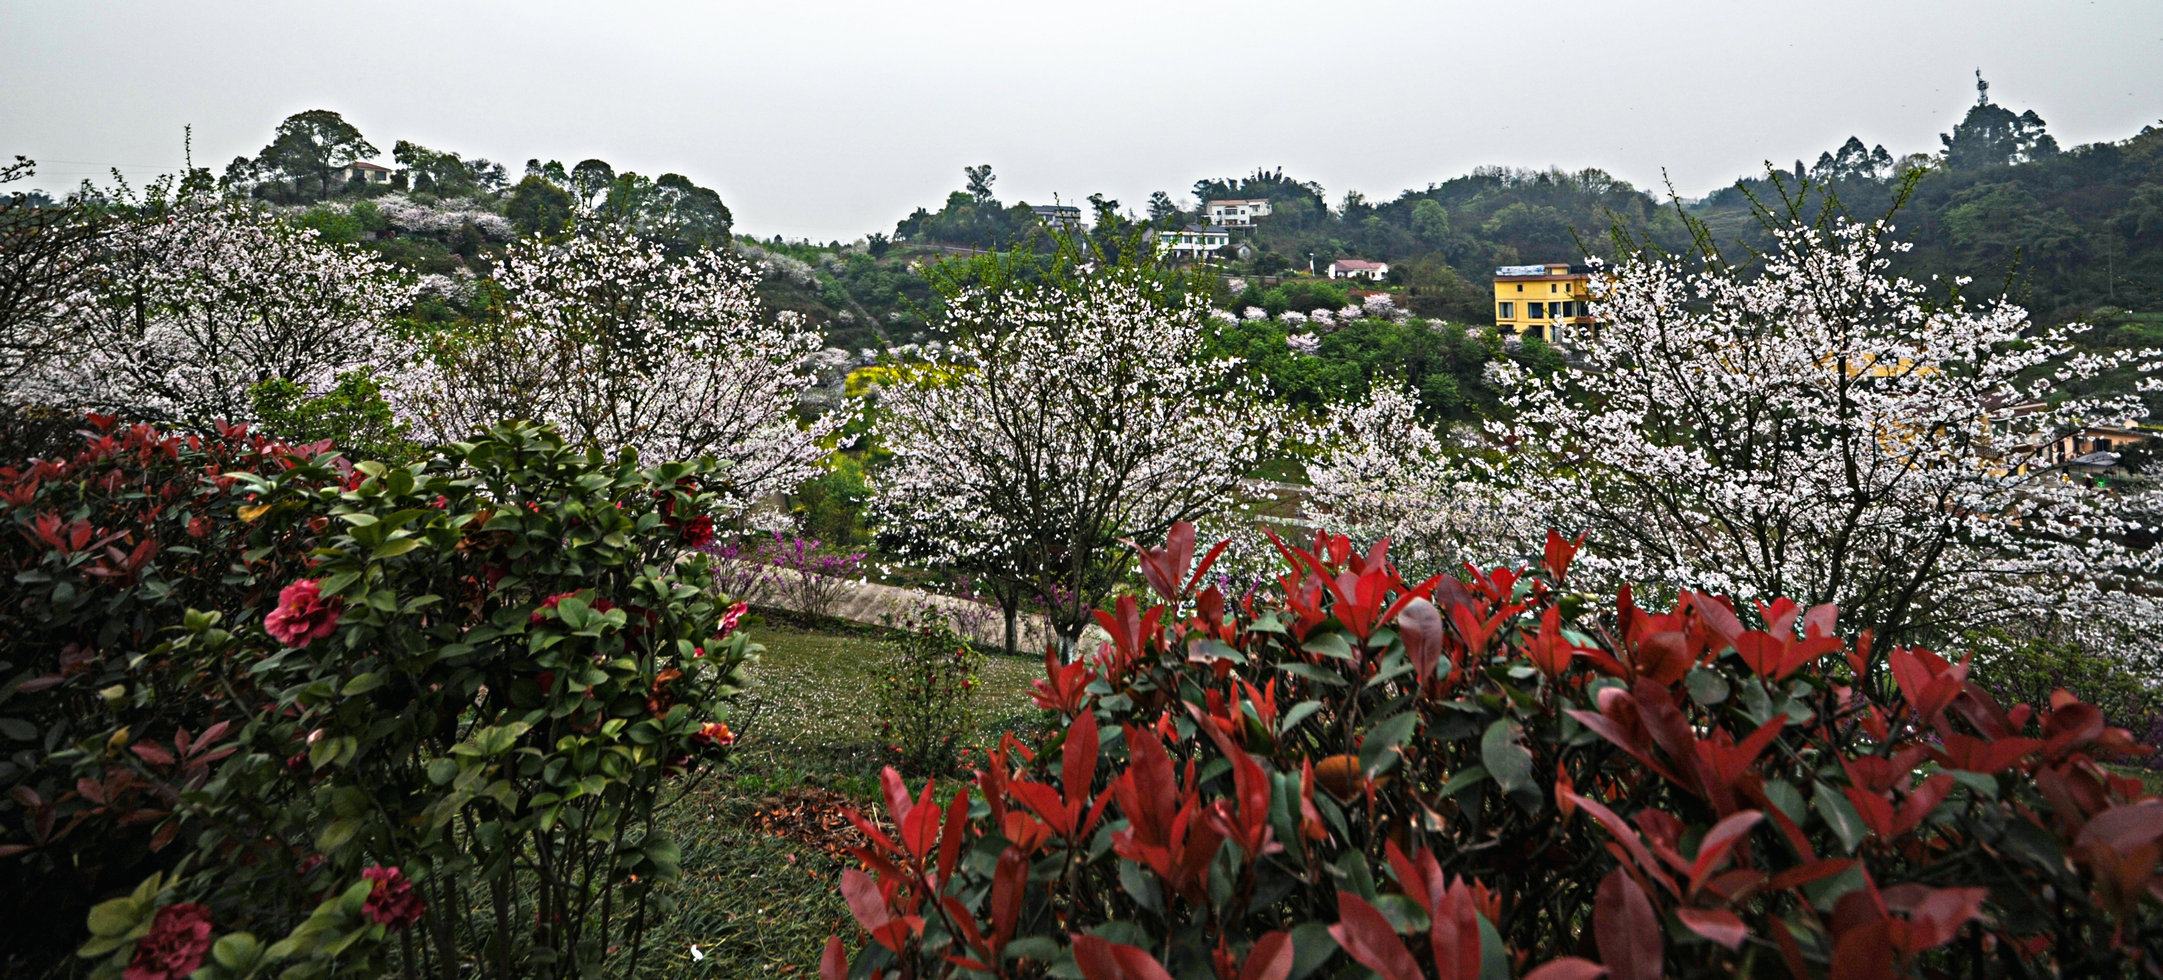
(592, 178)
(979, 183)
(2000, 223)
(1430, 222)
(312, 146)
(1992, 136)
(539, 205)
(1161, 206)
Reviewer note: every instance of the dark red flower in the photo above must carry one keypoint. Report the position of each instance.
(697, 532)
(175, 945)
(716, 734)
(303, 616)
(550, 603)
(391, 902)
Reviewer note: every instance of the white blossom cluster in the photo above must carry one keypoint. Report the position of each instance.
(1822, 432)
(620, 346)
(778, 264)
(1303, 344)
(1081, 413)
(408, 215)
(193, 303)
(1384, 473)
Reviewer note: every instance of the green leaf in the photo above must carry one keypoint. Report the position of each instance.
(1312, 673)
(1374, 751)
(1467, 776)
(1299, 713)
(1510, 764)
(337, 834)
(237, 952)
(1329, 645)
(1312, 946)
(116, 917)
(1840, 815)
(1494, 956)
(1707, 687)
(337, 583)
(362, 684)
(396, 546)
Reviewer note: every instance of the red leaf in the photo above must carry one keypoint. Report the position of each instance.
(1626, 929)
(1455, 931)
(1421, 626)
(957, 823)
(1716, 615)
(870, 909)
(1009, 881)
(1935, 915)
(1719, 925)
(1568, 968)
(1078, 763)
(1559, 552)
(151, 753)
(1807, 873)
(1270, 959)
(1102, 959)
(835, 964)
(1367, 936)
(2125, 827)
(1721, 839)
(897, 795)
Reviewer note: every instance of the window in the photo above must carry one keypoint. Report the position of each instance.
(1551, 287)
(1536, 310)
(1520, 287)
(1506, 311)
(1568, 309)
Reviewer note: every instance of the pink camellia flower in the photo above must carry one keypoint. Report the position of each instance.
(731, 618)
(303, 616)
(175, 945)
(391, 902)
(697, 532)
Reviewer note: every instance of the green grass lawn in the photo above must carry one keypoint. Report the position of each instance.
(757, 903)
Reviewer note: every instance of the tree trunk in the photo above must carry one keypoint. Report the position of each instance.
(1012, 609)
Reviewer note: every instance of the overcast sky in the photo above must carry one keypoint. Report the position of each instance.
(833, 119)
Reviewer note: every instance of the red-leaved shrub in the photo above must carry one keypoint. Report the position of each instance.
(1489, 777)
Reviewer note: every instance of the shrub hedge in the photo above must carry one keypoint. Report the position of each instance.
(1493, 776)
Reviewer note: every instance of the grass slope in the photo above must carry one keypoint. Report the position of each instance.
(757, 903)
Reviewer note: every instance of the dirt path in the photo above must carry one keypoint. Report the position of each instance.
(870, 602)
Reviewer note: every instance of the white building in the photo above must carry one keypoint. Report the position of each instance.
(1357, 269)
(367, 172)
(1192, 241)
(1062, 217)
(1237, 214)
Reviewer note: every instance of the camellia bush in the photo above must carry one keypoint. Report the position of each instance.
(1494, 776)
(926, 692)
(315, 718)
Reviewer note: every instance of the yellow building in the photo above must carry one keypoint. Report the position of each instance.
(1545, 301)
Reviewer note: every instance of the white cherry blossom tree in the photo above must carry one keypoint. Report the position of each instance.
(1383, 472)
(1827, 431)
(621, 346)
(187, 305)
(1065, 417)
